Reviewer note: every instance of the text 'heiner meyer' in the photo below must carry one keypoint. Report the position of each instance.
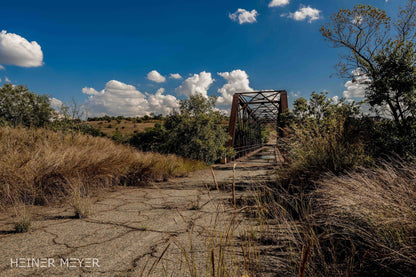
(51, 262)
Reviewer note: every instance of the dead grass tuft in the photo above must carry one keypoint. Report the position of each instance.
(361, 223)
(23, 221)
(373, 211)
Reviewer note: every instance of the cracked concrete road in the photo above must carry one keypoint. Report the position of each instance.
(160, 229)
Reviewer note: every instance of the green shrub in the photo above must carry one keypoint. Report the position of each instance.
(19, 106)
(326, 137)
(195, 132)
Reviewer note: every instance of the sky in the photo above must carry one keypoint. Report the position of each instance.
(136, 57)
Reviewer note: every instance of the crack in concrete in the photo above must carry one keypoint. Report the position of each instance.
(176, 211)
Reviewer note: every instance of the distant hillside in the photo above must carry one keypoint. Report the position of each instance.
(124, 126)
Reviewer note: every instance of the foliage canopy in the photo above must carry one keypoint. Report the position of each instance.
(380, 55)
(195, 131)
(19, 106)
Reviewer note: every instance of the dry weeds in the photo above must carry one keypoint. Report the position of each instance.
(36, 165)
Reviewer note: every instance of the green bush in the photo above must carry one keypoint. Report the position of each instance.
(153, 139)
(326, 136)
(19, 106)
(194, 132)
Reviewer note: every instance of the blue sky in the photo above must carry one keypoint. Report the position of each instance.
(101, 52)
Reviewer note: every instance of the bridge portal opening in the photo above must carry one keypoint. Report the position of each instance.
(250, 111)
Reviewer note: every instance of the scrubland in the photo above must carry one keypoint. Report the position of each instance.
(38, 166)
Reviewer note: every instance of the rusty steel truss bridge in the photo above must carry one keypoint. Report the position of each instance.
(250, 112)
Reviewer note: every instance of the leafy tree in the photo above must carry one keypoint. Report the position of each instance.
(196, 131)
(318, 105)
(20, 106)
(325, 136)
(300, 107)
(380, 53)
(151, 140)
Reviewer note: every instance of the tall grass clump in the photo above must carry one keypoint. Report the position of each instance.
(359, 223)
(370, 218)
(23, 221)
(37, 164)
(323, 137)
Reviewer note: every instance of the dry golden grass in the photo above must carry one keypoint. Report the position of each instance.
(23, 221)
(312, 149)
(37, 165)
(373, 211)
(361, 223)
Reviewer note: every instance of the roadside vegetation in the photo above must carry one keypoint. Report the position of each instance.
(39, 166)
(196, 131)
(345, 200)
(49, 156)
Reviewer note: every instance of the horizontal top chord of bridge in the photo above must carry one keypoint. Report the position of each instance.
(262, 105)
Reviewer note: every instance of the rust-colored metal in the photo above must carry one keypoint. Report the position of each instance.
(283, 107)
(249, 111)
(233, 120)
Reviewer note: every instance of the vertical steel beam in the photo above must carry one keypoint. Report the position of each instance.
(283, 107)
(233, 119)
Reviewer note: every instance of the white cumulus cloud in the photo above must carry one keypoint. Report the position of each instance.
(305, 13)
(175, 76)
(55, 103)
(118, 98)
(243, 16)
(162, 104)
(7, 80)
(357, 87)
(2, 67)
(91, 91)
(156, 77)
(16, 50)
(278, 3)
(237, 81)
(196, 84)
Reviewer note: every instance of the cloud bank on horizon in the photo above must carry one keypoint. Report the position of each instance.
(237, 81)
(196, 84)
(118, 98)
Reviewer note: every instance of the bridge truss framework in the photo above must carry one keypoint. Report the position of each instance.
(249, 112)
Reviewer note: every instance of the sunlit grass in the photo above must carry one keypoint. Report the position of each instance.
(37, 166)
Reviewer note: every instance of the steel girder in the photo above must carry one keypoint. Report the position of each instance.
(249, 111)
